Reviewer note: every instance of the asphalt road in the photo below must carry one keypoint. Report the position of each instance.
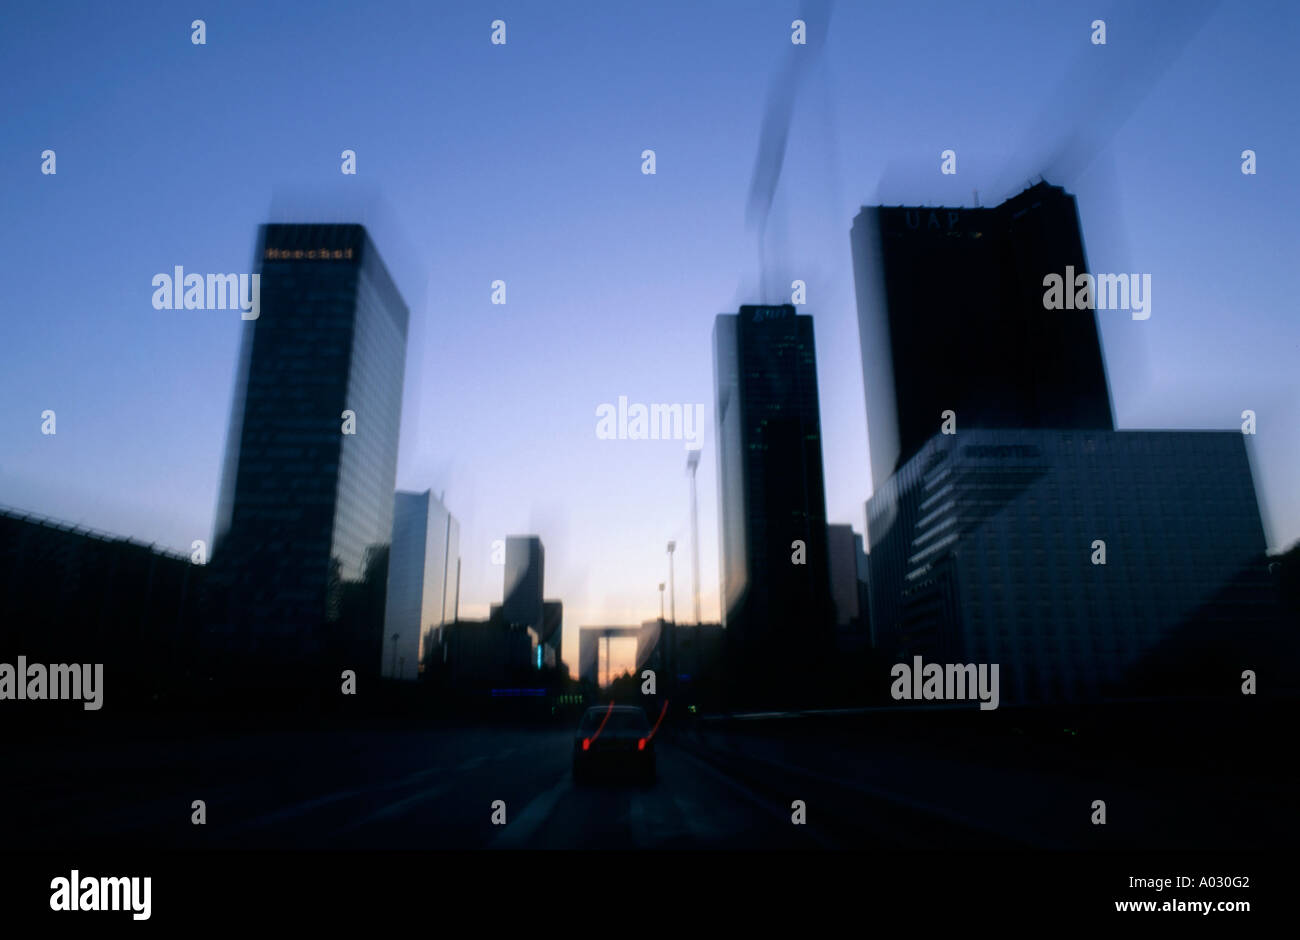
(388, 790)
(435, 788)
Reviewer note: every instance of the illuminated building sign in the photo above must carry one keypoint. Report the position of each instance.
(308, 254)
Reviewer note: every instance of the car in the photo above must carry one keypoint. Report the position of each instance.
(613, 739)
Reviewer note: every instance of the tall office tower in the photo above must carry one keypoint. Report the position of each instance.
(775, 598)
(521, 600)
(422, 571)
(1085, 563)
(848, 588)
(306, 508)
(951, 318)
(552, 632)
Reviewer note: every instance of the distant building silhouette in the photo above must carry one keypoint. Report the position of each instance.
(951, 318)
(589, 654)
(469, 656)
(552, 638)
(73, 595)
(306, 511)
(423, 572)
(687, 659)
(848, 572)
(771, 495)
(521, 598)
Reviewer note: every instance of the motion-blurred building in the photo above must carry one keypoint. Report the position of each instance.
(74, 595)
(1086, 562)
(521, 599)
(423, 581)
(522, 604)
(471, 656)
(687, 659)
(775, 598)
(848, 572)
(1066, 557)
(305, 516)
(589, 652)
(552, 638)
(951, 318)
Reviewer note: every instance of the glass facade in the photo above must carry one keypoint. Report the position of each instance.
(521, 600)
(985, 549)
(306, 510)
(422, 573)
(771, 491)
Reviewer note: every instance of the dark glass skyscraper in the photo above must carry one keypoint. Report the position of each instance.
(306, 509)
(771, 491)
(951, 317)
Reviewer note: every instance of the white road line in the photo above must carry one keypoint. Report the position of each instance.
(301, 809)
(298, 809)
(754, 798)
(395, 809)
(521, 829)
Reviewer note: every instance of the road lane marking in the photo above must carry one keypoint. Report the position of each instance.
(760, 802)
(516, 834)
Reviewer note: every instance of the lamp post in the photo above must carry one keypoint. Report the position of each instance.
(693, 462)
(672, 588)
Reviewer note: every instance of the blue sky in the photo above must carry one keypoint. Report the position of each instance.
(522, 162)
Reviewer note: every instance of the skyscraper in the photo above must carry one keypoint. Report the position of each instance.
(521, 600)
(848, 572)
(951, 318)
(422, 573)
(775, 596)
(306, 508)
(552, 632)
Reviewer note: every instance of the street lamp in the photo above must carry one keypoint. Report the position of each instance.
(672, 587)
(661, 600)
(692, 464)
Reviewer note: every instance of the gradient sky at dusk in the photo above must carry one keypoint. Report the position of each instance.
(523, 162)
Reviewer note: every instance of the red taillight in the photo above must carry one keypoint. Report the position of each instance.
(640, 745)
(586, 744)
